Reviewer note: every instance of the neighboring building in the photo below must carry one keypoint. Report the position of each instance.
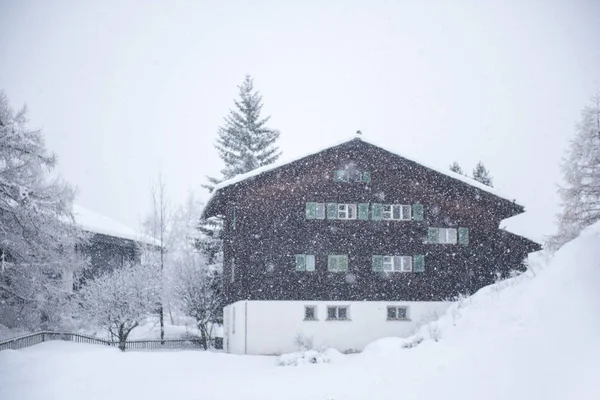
(111, 245)
(354, 243)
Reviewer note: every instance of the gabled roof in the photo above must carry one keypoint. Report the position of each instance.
(93, 222)
(271, 167)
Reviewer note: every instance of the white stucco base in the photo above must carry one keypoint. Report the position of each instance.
(271, 327)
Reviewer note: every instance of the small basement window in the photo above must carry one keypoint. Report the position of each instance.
(397, 313)
(337, 313)
(310, 313)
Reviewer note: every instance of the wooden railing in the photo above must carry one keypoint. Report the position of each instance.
(153, 344)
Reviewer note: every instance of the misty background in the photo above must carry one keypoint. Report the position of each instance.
(126, 89)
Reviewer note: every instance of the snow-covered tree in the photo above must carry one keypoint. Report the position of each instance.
(481, 174)
(455, 167)
(580, 192)
(244, 143)
(197, 290)
(38, 238)
(119, 301)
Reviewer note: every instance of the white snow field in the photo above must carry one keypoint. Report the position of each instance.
(531, 337)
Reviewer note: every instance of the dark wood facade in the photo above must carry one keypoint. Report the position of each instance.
(265, 226)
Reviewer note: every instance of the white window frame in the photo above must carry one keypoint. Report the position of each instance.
(337, 313)
(314, 308)
(405, 212)
(397, 264)
(406, 315)
(346, 209)
(448, 235)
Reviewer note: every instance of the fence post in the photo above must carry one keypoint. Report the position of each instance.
(43, 337)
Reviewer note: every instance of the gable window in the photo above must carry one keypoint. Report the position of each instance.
(442, 235)
(396, 212)
(305, 262)
(346, 211)
(351, 175)
(337, 313)
(397, 313)
(310, 313)
(337, 262)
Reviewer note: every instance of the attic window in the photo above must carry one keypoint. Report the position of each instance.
(351, 175)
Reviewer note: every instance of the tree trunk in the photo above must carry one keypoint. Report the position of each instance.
(162, 325)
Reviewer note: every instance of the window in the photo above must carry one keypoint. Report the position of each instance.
(351, 175)
(337, 313)
(346, 211)
(396, 212)
(397, 263)
(397, 313)
(310, 313)
(305, 262)
(337, 262)
(442, 235)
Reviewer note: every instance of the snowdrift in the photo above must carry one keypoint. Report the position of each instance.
(536, 336)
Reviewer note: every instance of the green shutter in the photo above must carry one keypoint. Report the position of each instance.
(331, 263)
(311, 210)
(332, 210)
(376, 210)
(377, 264)
(300, 262)
(363, 211)
(417, 212)
(343, 263)
(366, 177)
(433, 235)
(419, 263)
(339, 175)
(463, 236)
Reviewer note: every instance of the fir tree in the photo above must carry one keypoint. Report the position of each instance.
(580, 193)
(244, 143)
(481, 174)
(455, 167)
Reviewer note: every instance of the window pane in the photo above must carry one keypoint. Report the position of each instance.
(351, 211)
(406, 212)
(451, 235)
(396, 212)
(310, 262)
(342, 214)
(391, 312)
(443, 237)
(387, 211)
(331, 313)
(309, 312)
(401, 313)
(300, 262)
(407, 263)
(320, 210)
(388, 263)
(343, 262)
(397, 263)
(342, 312)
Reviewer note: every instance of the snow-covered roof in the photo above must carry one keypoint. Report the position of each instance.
(91, 221)
(270, 167)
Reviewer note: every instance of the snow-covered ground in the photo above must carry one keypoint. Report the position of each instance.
(532, 337)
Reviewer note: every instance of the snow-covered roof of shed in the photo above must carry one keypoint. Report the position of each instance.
(270, 167)
(93, 222)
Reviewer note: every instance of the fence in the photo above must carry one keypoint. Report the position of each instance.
(154, 344)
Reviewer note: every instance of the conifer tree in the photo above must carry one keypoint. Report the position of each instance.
(580, 193)
(244, 143)
(455, 167)
(481, 174)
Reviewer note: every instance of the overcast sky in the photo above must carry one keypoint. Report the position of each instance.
(123, 89)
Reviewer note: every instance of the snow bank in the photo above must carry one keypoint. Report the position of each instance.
(320, 356)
